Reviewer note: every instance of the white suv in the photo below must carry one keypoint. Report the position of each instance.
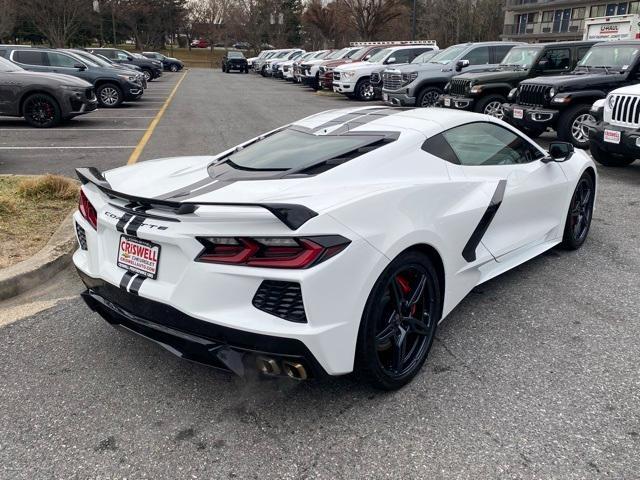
(353, 79)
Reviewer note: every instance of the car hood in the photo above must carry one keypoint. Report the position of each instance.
(337, 63)
(422, 67)
(564, 82)
(494, 75)
(58, 78)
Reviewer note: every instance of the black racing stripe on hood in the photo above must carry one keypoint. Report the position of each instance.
(358, 118)
(183, 192)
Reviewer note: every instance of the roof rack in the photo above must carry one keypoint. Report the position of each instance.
(398, 42)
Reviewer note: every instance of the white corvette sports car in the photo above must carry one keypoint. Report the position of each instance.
(333, 244)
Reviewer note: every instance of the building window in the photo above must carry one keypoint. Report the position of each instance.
(578, 13)
(548, 16)
(634, 7)
(622, 8)
(598, 11)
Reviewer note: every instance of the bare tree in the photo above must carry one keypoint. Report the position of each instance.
(9, 9)
(58, 20)
(369, 17)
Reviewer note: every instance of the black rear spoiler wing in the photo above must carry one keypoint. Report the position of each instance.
(292, 215)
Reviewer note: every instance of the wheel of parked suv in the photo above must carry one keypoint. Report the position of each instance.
(147, 74)
(491, 105)
(428, 97)
(263, 71)
(109, 95)
(578, 221)
(364, 90)
(399, 322)
(609, 159)
(246, 70)
(173, 67)
(572, 125)
(41, 111)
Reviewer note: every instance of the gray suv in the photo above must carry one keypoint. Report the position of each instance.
(421, 84)
(43, 99)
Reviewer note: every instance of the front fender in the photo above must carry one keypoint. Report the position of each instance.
(592, 95)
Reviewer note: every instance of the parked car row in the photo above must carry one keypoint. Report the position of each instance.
(567, 87)
(47, 86)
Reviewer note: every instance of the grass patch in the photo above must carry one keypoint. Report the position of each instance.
(31, 209)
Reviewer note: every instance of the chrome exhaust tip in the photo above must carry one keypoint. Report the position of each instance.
(267, 366)
(295, 370)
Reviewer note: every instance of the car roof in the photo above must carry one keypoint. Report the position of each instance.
(634, 43)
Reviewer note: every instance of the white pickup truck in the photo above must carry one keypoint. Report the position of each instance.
(353, 79)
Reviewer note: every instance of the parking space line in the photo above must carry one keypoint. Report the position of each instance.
(51, 147)
(74, 129)
(135, 155)
(119, 118)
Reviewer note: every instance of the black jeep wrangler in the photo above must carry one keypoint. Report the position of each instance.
(485, 92)
(564, 102)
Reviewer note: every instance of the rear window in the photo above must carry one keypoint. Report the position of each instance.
(291, 149)
(28, 57)
(235, 55)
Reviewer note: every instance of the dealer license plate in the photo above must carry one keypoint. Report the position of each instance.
(138, 256)
(612, 136)
(447, 102)
(518, 113)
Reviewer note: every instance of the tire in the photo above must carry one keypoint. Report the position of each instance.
(578, 222)
(533, 132)
(609, 159)
(109, 95)
(384, 335)
(364, 90)
(491, 105)
(41, 111)
(568, 125)
(148, 74)
(246, 70)
(428, 97)
(173, 67)
(263, 71)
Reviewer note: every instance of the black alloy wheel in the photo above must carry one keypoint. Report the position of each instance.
(147, 74)
(399, 322)
(364, 90)
(428, 97)
(580, 213)
(41, 111)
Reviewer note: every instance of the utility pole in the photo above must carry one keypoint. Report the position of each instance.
(413, 22)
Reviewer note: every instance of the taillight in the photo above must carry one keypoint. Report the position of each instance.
(87, 210)
(271, 252)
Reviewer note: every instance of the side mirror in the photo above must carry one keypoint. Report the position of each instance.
(80, 67)
(460, 64)
(130, 58)
(391, 60)
(366, 57)
(559, 152)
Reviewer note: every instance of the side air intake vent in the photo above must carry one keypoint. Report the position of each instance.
(282, 299)
(82, 237)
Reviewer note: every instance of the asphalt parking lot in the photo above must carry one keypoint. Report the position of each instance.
(534, 376)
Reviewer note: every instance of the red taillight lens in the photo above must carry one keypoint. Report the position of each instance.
(87, 210)
(271, 252)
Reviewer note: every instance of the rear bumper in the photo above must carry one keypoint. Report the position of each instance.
(532, 117)
(220, 347)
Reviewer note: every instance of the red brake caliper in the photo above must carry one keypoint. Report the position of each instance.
(406, 288)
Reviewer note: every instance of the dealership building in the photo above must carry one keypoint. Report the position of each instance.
(556, 20)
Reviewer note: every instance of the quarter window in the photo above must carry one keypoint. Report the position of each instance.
(483, 143)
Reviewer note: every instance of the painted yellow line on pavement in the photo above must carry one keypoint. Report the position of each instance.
(135, 155)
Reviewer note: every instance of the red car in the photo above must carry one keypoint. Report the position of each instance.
(326, 68)
(200, 43)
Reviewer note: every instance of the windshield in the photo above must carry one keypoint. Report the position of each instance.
(290, 149)
(93, 58)
(448, 55)
(83, 58)
(612, 56)
(322, 54)
(521, 57)
(378, 57)
(7, 66)
(358, 53)
(104, 58)
(424, 57)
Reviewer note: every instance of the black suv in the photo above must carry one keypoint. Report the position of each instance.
(112, 86)
(564, 102)
(43, 99)
(234, 61)
(485, 92)
(152, 69)
(168, 63)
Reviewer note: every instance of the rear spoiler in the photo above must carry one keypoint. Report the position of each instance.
(292, 215)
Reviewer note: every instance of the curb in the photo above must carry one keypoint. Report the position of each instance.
(51, 259)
